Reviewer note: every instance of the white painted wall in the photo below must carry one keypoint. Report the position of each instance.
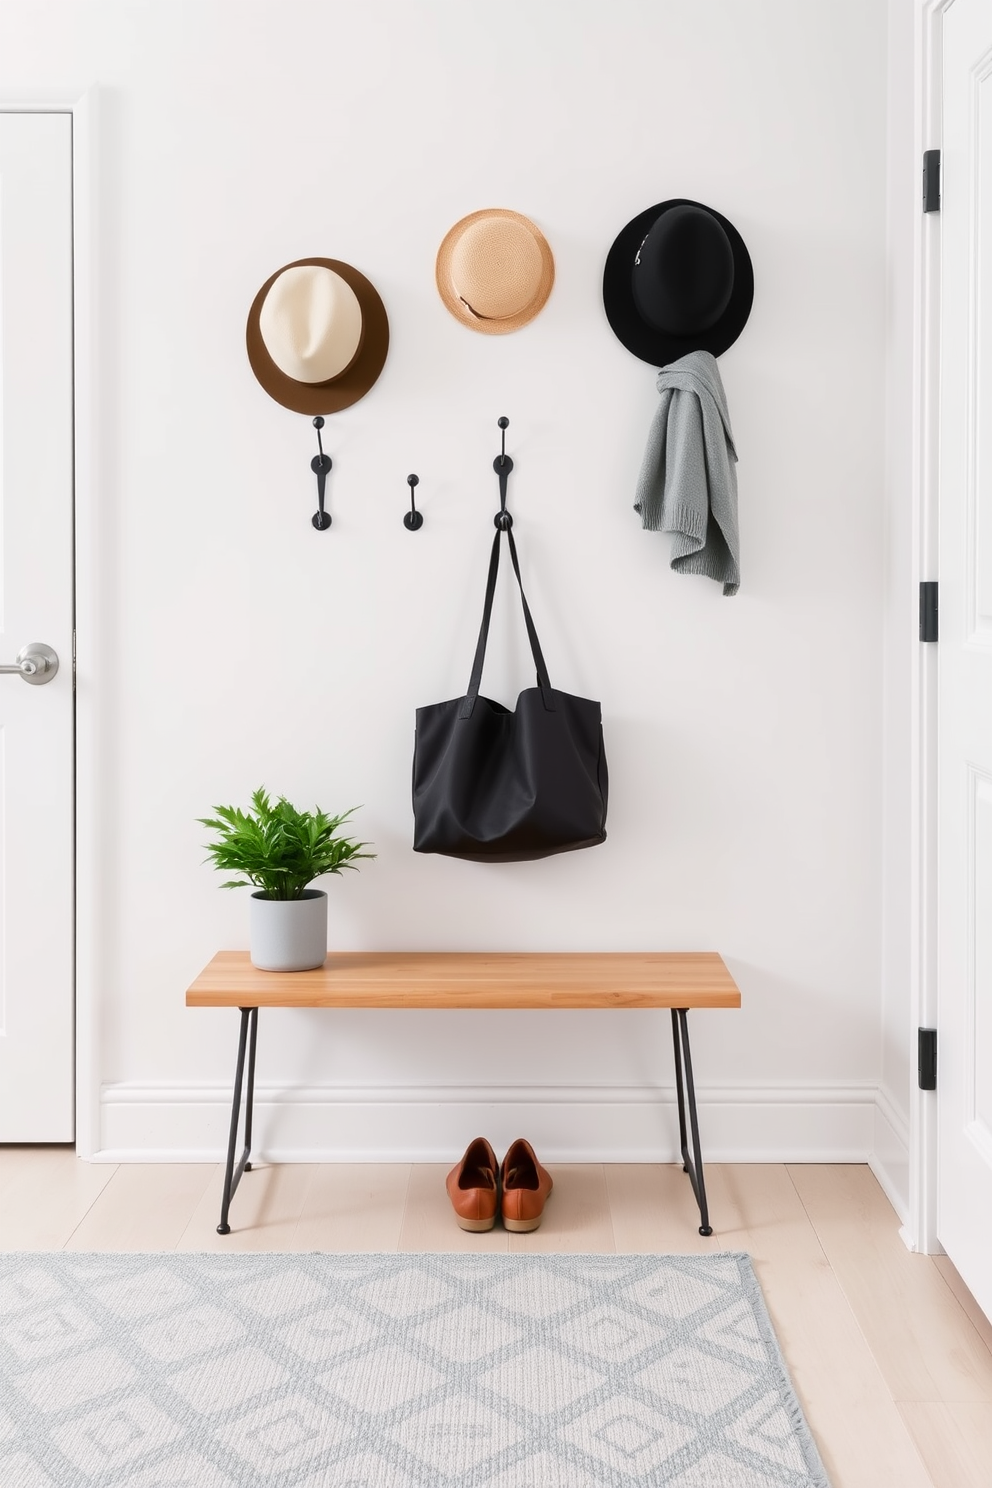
(744, 735)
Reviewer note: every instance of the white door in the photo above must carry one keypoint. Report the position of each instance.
(36, 717)
(964, 1079)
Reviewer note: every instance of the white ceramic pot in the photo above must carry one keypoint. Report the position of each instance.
(288, 934)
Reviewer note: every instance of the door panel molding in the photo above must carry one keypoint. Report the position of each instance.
(37, 1052)
(92, 526)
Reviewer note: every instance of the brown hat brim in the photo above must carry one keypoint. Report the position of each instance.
(356, 379)
(458, 307)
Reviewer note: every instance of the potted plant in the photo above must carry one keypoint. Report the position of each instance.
(281, 851)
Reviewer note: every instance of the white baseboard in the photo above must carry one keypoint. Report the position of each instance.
(830, 1123)
(889, 1158)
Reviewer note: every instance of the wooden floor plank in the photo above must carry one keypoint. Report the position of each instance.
(955, 1441)
(44, 1193)
(862, 1438)
(576, 1215)
(145, 1206)
(759, 1211)
(264, 1214)
(909, 1316)
(354, 1207)
(653, 1210)
(429, 1221)
(753, 1208)
(971, 1309)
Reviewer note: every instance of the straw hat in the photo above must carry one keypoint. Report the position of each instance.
(495, 271)
(678, 278)
(317, 335)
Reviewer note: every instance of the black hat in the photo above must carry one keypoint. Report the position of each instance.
(678, 279)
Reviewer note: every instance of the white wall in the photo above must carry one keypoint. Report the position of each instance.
(743, 735)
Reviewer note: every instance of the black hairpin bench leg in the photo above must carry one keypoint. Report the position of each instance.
(692, 1165)
(232, 1174)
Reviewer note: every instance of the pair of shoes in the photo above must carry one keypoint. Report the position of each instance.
(477, 1187)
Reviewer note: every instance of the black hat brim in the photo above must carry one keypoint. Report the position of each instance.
(626, 321)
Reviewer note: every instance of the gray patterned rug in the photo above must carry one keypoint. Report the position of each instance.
(393, 1371)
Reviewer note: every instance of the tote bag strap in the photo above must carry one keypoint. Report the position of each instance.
(475, 681)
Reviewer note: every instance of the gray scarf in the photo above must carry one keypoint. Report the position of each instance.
(688, 483)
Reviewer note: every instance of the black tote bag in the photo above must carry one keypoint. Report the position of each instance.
(496, 786)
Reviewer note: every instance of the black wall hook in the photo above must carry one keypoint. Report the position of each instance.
(320, 465)
(413, 520)
(502, 466)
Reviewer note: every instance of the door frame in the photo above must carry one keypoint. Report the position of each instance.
(920, 1231)
(82, 105)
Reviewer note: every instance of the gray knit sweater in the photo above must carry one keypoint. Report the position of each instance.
(688, 483)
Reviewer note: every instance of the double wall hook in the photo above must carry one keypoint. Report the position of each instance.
(502, 466)
(413, 520)
(320, 465)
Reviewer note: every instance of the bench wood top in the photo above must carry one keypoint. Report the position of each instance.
(475, 979)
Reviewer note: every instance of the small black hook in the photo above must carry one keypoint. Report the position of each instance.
(320, 465)
(502, 466)
(413, 520)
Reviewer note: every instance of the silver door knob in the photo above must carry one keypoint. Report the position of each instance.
(36, 663)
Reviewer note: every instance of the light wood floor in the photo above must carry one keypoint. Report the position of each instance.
(890, 1354)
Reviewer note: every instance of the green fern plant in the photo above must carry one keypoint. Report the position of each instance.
(278, 849)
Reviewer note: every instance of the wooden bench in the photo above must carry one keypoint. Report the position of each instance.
(441, 979)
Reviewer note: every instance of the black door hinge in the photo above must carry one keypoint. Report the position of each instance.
(928, 610)
(931, 180)
(927, 1058)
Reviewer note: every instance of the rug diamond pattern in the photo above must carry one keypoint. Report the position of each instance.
(394, 1371)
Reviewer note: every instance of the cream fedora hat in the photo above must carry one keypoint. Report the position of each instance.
(317, 335)
(495, 271)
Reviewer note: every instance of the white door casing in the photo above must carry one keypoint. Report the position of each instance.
(964, 848)
(36, 598)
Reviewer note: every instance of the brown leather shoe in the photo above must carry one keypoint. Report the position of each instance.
(473, 1187)
(526, 1186)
